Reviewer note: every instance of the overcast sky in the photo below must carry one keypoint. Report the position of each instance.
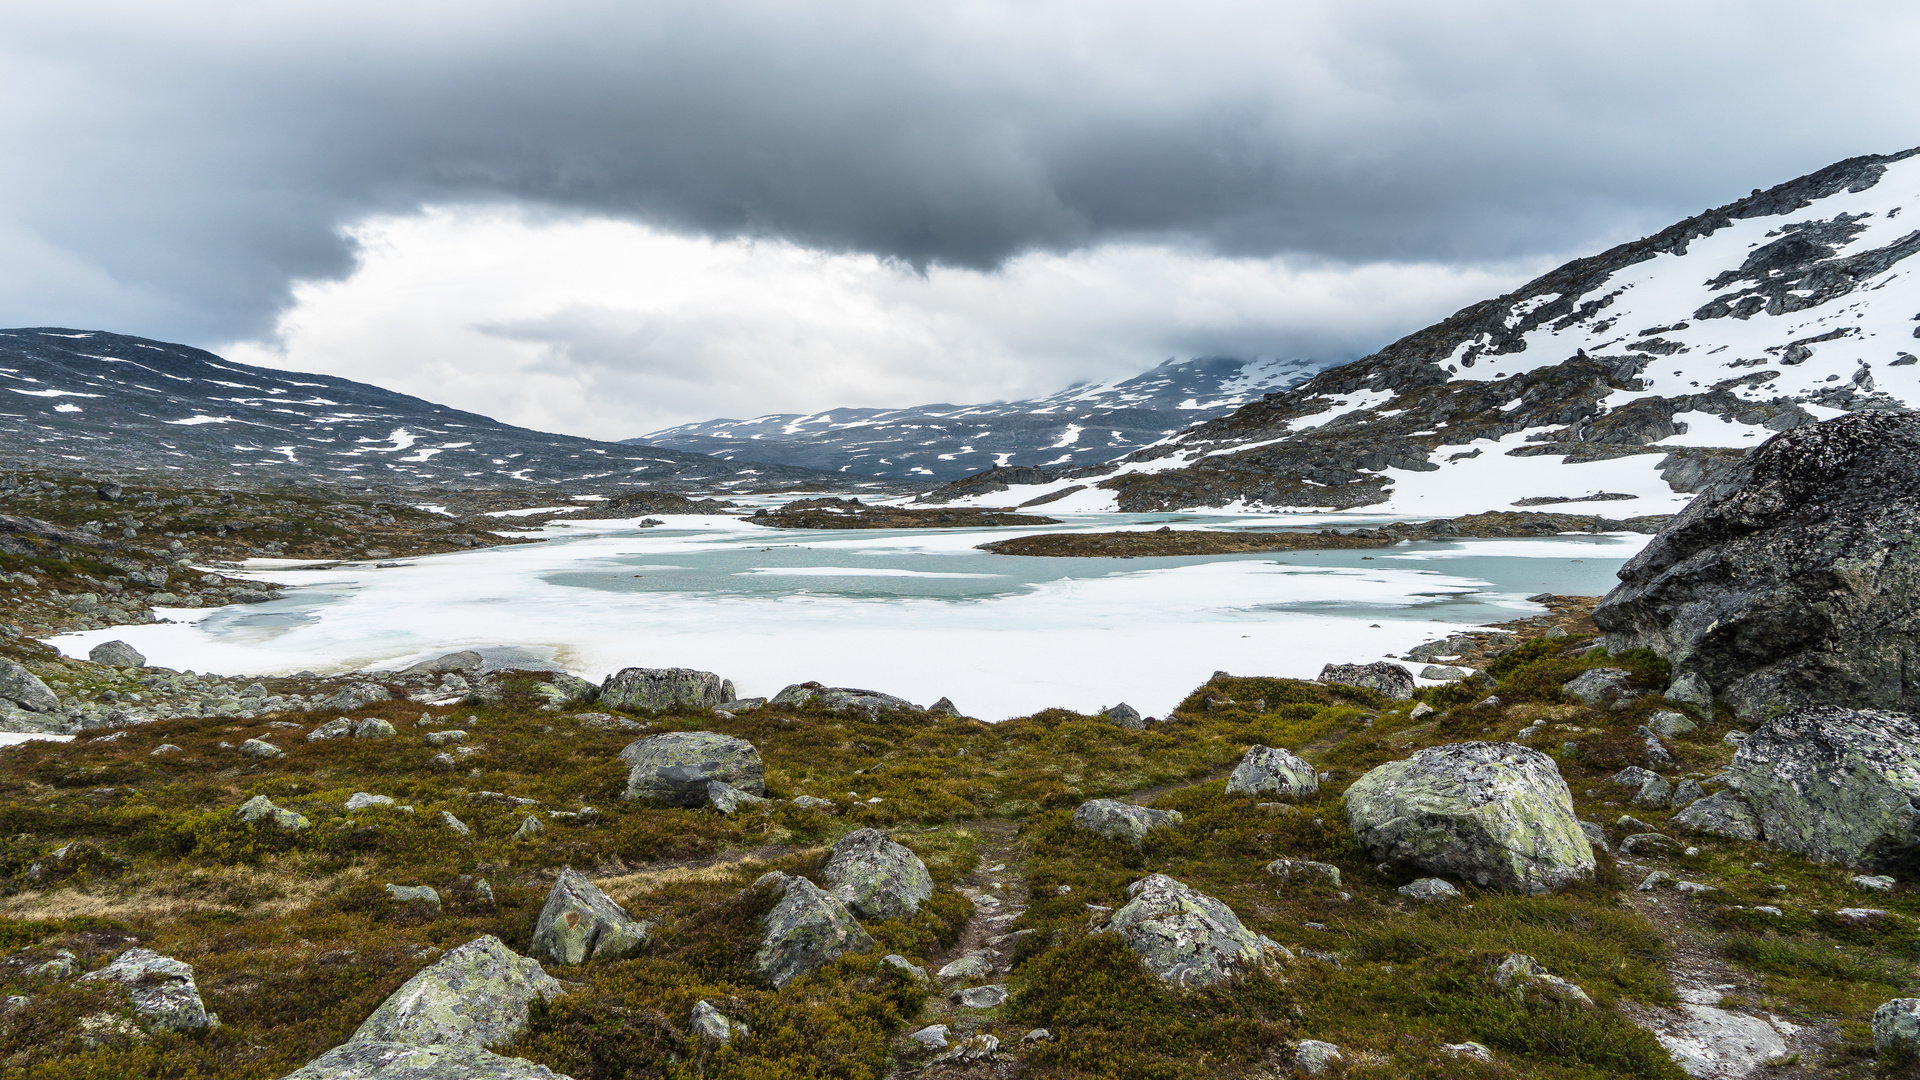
(603, 218)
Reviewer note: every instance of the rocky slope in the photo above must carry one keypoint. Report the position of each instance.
(1636, 374)
(1085, 423)
(130, 407)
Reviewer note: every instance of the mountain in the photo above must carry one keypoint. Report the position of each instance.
(1085, 423)
(1637, 374)
(125, 405)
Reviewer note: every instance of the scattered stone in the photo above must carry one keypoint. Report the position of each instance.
(459, 827)
(809, 802)
(1495, 814)
(877, 878)
(1445, 673)
(933, 1036)
(1723, 814)
(981, 997)
(1522, 975)
(1116, 820)
(1421, 711)
(1266, 770)
(373, 728)
(1187, 938)
(1596, 835)
(845, 699)
(425, 895)
(358, 696)
(676, 768)
(1692, 888)
(1599, 687)
(1687, 793)
(1125, 716)
(807, 929)
(944, 707)
(1392, 680)
(360, 800)
(1879, 883)
(1837, 785)
(1291, 869)
(529, 829)
(259, 749)
(1669, 724)
(1036, 1036)
(1313, 1057)
(580, 923)
(164, 994)
(637, 689)
(332, 729)
(1858, 915)
(371, 1060)
(1641, 843)
(476, 994)
(24, 688)
(465, 662)
(1896, 1025)
(117, 654)
(1688, 688)
(445, 738)
(968, 968)
(1474, 1050)
(708, 1022)
(1430, 890)
(1649, 788)
(260, 810)
(607, 721)
(1655, 880)
(728, 799)
(1716, 1043)
(914, 971)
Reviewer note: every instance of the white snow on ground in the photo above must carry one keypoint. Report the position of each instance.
(12, 738)
(1078, 633)
(532, 510)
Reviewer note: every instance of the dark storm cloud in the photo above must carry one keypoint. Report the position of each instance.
(177, 166)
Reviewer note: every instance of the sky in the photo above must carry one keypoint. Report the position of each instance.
(607, 217)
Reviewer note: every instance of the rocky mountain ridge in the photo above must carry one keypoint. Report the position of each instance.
(1639, 373)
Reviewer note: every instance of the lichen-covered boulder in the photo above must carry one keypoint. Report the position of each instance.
(877, 878)
(1116, 820)
(405, 1061)
(1794, 580)
(477, 995)
(1187, 938)
(465, 662)
(579, 922)
(260, 810)
(638, 689)
(1267, 770)
(1394, 681)
(1523, 976)
(1896, 1025)
(675, 768)
(24, 688)
(1597, 687)
(116, 654)
(163, 991)
(1125, 716)
(1836, 785)
(1495, 814)
(729, 799)
(845, 699)
(807, 929)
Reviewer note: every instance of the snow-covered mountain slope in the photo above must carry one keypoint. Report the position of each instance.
(107, 403)
(1082, 424)
(1630, 377)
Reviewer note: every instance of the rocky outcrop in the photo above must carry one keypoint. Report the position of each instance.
(808, 929)
(1267, 770)
(165, 996)
(406, 1061)
(877, 878)
(1794, 580)
(1836, 785)
(477, 995)
(638, 689)
(676, 768)
(1116, 820)
(1187, 938)
(845, 699)
(1495, 814)
(1394, 681)
(579, 922)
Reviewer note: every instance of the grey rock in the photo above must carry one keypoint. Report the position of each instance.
(117, 654)
(877, 878)
(462, 663)
(259, 749)
(529, 828)
(415, 894)
(1836, 785)
(607, 721)
(1689, 688)
(1313, 1057)
(709, 1023)
(579, 922)
(727, 799)
(373, 728)
(1649, 788)
(1430, 890)
(260, 810)
(1896, 1025)
(1642, 843)
(404, 1061)
(1686, 793)
(1596, 835)
(809, 802)
(1266, 770)
(445, 738)
(913, 970)
(807, 929)
(1394, 681)
(1445, 673)
(477, 995)
(1523, 976)
(1473, 1050)
(1669, 724)
(969, 968)
(1304, 869)
(1712, 1042)
(24, 688)
(638, 689)
(360, 800)
(1187, 938)
(561, 690)
(1879, 883)
(164, 994)
(1495, 814)
(676, 768)
(459, 827)
(163, 750)
(845, 699)
(332, 729)
(1792, 581)
(1116, 820)
(981, 997)
(1657, 879)
(933, 1037)
(944, 707)
(358, 696)
(1125, 716)
(1598, 687)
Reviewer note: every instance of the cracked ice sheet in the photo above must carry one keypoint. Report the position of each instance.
(605, 595)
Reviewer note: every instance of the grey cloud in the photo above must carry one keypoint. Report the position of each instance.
(191, 161)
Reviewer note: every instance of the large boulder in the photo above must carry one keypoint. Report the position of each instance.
(1495, 814)
(809, 928)
(165, 997)
(1836, 785)
(405, 1061)
(1268, 770)
(24, 688)
(877, 878)
(1724, 814)
(1795, 579)
(1116, 820)
(475, 995)
(845, 699)
(555, 688)
(1394, 681)
(579, 922)
(639, 689)
(116, 654)
(676, 768)
(1187, 938)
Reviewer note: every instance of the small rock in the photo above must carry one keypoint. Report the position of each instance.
(376, 1060)
(360, 800)
(1187, 938)
(373, 728)
(1599, 687)
(1266, 770)
(164, 994)
(1291, 869)
(1421, 711)
(1445, 673)
(332, 729)
(477, 994)
(974, 965)
(1689, 688)
(1116, 820)
(445, 738)
(448, 820)
(117, 654)
(1687, 793)
(877, 878)
(415, 894)
(259, 749)
(708, 1022)
(1313, 1057)
(1474, 1050)
(1858, 915)
(1655, 880)
(579, 922)
(1692, 888)
(808, 928)
(529, 829)
(728, 799)
(1644, 842)
(1523, 975)
(676, 768)
(1430, 890)
(1037, 1035)
(1723, 814)
(1125, 716)
(1879, 883)
(981, 997)
(1392, 680)
(260, 810)
(1896, 1025)
(933, 1036)
(913, 970)
(809, 802)
(944, 707)
(163, 750)
(978, 1047)
(1669, 724)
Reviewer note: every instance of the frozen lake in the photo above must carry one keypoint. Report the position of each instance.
(917, 613)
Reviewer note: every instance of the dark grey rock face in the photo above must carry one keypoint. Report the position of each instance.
(1390, 679)
(1836, 785)
(1794, 581)
(676, 768)
(639, 689)
(877, 878)
(809, 928)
